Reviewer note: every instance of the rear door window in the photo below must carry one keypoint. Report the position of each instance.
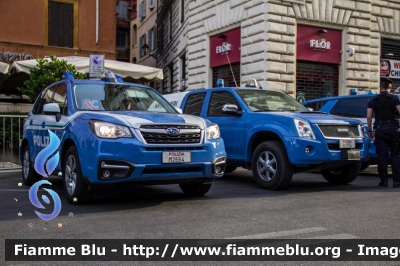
(351, 107)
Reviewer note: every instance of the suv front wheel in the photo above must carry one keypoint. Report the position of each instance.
(75, 189)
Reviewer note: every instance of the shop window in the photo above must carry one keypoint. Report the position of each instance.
(316, 80)
(225, 73)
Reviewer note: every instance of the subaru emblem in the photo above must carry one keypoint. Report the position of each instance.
(172, 131)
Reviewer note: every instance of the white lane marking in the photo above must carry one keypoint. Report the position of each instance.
(336, 236)
(281, 233)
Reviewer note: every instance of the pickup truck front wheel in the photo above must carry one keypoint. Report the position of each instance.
(342, 175)
(195, 189)
(270, 165)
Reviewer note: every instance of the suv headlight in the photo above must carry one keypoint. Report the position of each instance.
(304, 129)
(109, 130)
(212, 132)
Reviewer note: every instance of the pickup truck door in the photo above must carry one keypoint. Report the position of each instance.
(231, 126)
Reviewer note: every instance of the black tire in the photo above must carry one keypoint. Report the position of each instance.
(230, 169)
(29, 174)
(342, 175)
(272, 156)
(364, 166)
(195, 189)
(75, 189)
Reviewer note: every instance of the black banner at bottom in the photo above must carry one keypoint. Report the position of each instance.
(202, 250)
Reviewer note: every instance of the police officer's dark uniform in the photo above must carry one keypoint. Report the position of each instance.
(386, 131)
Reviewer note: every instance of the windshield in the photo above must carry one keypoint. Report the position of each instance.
(113, 97)
(264, 100)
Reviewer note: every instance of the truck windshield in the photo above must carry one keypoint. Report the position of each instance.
(113, 97)
(269, 101)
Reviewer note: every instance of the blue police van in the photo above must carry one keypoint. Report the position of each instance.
(107, 132)
(354, 106)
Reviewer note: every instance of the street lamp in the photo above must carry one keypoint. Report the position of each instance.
(145, 48)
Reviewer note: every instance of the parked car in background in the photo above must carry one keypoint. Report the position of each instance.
(354, 106)
(273, 135)
(106, 132)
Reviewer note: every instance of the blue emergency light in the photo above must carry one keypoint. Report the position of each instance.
(68, 75)
(220, 83)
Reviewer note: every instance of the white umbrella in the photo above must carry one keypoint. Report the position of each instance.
(122, 69)
(4, 68)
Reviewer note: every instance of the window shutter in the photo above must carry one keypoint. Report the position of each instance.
(141, 46)
(61, 24)
(140, 11)
(144, 8)
(122, 10)
(151, 4)
(160, 38)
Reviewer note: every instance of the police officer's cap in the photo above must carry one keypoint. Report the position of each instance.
(387, 80)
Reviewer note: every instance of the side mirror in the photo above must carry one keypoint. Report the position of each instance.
(231, 109)
(179, 110)
(52, 109)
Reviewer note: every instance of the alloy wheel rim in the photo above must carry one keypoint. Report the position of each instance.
(267, 166)
(26, 164)
(70, 175)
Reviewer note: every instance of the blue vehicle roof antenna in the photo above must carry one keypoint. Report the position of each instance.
(220, 83)
(68, 75)
(108, 76)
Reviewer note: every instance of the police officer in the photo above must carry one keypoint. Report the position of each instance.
(386, 131)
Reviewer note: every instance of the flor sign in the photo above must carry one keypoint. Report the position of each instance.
(224, 48)
(320, 44)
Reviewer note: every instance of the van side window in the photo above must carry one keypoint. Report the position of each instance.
(354, 107)
(217, 101)
(194, 104)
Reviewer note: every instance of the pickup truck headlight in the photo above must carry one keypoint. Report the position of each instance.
(212, 132)
(304, 129)
(109, 130)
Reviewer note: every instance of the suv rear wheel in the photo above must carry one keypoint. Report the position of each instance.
(29, 174)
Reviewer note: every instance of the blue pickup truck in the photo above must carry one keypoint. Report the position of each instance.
(95, 133)
(273, 135)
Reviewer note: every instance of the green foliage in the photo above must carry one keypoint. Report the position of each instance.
(46, 72)
(16, 124)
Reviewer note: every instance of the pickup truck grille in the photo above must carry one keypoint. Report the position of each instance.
(157, 134)
(340, 131)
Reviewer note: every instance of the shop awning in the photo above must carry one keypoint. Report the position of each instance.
(125, 70)
(4, 68)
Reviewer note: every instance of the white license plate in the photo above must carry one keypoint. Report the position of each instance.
(176, 157)
(347, 143)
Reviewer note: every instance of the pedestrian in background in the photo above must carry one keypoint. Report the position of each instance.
(385, 132)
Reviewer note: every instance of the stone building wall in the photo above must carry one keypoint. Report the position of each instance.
(268, 41)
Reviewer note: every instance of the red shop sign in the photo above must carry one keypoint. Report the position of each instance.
(319, 44)
(223, 46)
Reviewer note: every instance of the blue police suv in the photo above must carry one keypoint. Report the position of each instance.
(102, 132)
(354, 106)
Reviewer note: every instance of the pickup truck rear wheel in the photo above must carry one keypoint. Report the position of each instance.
(270, 165)
(230, 169)
(195, 189)
(342, 175)
(76, 190)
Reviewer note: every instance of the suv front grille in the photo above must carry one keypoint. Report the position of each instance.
(340, 131)
(157, 134)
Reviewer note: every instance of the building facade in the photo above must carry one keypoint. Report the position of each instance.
(126, 13)
(172, 44)
(62, 28)
(306, 48)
